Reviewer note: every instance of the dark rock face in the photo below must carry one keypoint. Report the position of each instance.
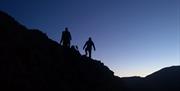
(29, 60)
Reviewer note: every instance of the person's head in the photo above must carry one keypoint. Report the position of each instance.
(90, 39)
(66, 29)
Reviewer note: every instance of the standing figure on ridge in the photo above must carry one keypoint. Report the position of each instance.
(66, 38)
(88, 47)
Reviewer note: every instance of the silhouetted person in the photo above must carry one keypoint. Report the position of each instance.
(88, 47)
(66, 38)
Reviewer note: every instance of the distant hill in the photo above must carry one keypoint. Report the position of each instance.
(29, 60)
(166, 79)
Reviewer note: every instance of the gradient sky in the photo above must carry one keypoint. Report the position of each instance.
(132, 37)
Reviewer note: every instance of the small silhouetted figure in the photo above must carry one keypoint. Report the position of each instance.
(88, 47)
(75, 50)
(66, 38)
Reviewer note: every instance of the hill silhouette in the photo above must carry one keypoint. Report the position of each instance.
(166, 79)
(29, 60)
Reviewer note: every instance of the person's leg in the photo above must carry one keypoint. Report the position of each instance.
(65, 43)
(68, 44)
(86, 52)
(89, 53)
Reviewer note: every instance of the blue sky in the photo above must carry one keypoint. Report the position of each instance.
(132, 37)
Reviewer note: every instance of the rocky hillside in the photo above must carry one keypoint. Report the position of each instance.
(29, 60)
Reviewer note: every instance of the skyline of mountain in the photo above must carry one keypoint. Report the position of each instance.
(30, 60)
(132, 37)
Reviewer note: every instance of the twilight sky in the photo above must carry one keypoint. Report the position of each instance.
(132, 37)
